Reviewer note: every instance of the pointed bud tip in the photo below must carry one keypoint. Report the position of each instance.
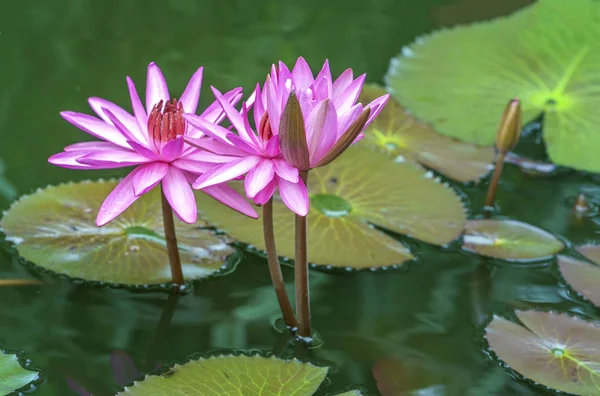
(509, 130)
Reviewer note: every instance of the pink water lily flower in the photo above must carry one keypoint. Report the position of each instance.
(331, 118)
(152, 140)
(256, 154)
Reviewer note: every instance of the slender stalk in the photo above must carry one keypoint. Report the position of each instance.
(491, 194)
(169, 224)
(301, 273)
(274, 268)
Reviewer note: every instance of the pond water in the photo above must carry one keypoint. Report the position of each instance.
(427, 317)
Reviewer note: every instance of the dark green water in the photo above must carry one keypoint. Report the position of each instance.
(58, 53)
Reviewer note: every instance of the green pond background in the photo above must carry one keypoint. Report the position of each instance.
(428, 316)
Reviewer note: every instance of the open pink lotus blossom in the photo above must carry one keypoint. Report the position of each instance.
(256, 154)
(332, 120)
(152, 140)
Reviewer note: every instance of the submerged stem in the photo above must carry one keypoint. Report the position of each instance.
(491, 194)
(301, 273)
(173, 251)
(275, 268)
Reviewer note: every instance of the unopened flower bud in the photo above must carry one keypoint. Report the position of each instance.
(510, 127)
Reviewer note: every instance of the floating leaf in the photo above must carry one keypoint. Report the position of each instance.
(55, 229)
(234, 375)
(509, 240)
(555, 350)
(359, 188)
(396, 132)
(12, 375)
(547, 55)
(583, 277)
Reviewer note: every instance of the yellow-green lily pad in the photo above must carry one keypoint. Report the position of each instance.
(360, 188)
(546, 54)
(55, 229)
(398, 133)
(555, 350)
(509, 240)
(583, 277)
(233, 375)
(12, 375)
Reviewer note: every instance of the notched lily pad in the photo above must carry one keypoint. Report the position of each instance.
(509, 240)
(55, 229)
(398, 133)
(583, 277)
(555, 350)
(12, 375)
(547, 55)
(360, 188)
(234, 375)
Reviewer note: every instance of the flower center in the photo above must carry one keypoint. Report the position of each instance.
(264, 129)
(166, 124)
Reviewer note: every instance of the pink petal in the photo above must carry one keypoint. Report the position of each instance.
(214, 113)
(195, 167)
(294, 196)
(215, 146)
(322, 87)
(236, 119)
(341, 83)
(148, 176)
(156, 87)
(259, 105)
(180, 195)
(138, 108)
(285, 170)
(321, 130)
(226, 172)
(128, 121)
(172, 150)
(113, 159)
(191, 94)
(91, 146)
(274, 106)
(125, 131)
(258, 177)
(241, 144)
(345, 120)
(266, 193)
(118, 200)
(350, 95)
(95, 127)
(215, 131)
(68, 160)
(228, 196)
(146, 152)
(302, 74)
(273, 146)
(376, 106)
(205, 156)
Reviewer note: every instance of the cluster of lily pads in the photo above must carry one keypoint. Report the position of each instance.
(402, 181)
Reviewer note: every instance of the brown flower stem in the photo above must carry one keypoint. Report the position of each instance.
(491, 194)
(173, 251)
(275, 268)
(301, 273)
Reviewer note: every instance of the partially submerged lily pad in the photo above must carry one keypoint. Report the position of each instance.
(55, 229)
(234, 375)
(359, 188)
(555, 350)
(582, 276)
(398, 133)
(510, 240)
(12, 375)
(547, 55)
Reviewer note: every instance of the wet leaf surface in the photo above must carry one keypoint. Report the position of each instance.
(234, 375)
(582, 276)
(55, 229)
(546, 54)
(555, 350)
(509, 240)
(12, 375)
(398, 133)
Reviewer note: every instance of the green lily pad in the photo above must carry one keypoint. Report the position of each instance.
(509, 240)
(359, 188)
(547, 54)
(12, 375)
(234, 375)
(55, 229)
(555, 350)
(583, 277)
(398, 133)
